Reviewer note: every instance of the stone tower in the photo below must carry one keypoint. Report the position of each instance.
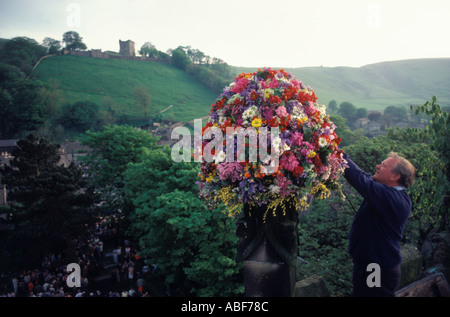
(127, 48)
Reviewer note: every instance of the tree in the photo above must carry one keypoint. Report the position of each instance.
(342, 130)
(73, 41)
(438, 134)
(53, 46)
(22, 104)
(112, 150)
(333, 106)
(179, 58)
(323, 235)
(361, 113)
(149, 50)
(23, 53)
(397, 113)
(196, 56)
(24, 107)
(80, 116)
(51, 203)
(143, 99)
(194, 247)
(374, 116)
(347, 110)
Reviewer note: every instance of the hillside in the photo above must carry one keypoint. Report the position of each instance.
(379, 85)
(83, 78)
(373, 86)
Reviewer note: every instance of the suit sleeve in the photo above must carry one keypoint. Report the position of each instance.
(379, 195)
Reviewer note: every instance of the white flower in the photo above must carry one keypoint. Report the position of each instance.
(323, 142)
(222, 120)
(276, 145)
(274, 189)
(321, 108)
(220, 157)
(326, 175)
(250, 113)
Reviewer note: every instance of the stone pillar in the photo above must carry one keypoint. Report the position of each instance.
(268, 246)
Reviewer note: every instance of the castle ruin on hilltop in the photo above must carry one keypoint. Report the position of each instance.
(127, 51)
(127, 48)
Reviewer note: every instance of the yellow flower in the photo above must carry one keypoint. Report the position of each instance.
(320, 191)
(311, 154)
(268, 92)
(256, 123)
(227, 197)
(302, 119)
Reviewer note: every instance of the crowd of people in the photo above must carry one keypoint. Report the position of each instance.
(104, 273)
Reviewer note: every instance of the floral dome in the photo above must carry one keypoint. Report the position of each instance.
(308, 159)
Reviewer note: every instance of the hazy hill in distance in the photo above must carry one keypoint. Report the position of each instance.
(373, 87)
(377, 86)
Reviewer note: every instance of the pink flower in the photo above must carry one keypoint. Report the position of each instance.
(297, 138)
(239, 121)
(289, 162)
(231, 170)
(240, 85)
(281, 112)
(272, 84)
(296, 83)
(284, 184)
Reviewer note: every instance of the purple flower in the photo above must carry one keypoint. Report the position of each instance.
(297, 138)
(267, 112)
(230, 170)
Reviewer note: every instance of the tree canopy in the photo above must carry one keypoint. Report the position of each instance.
(193, 246)
(51, 204)
(73, 41)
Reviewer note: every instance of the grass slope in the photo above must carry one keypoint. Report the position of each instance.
(373, 87)
(84, 78)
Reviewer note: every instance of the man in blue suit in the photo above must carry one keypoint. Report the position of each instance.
(377, 229)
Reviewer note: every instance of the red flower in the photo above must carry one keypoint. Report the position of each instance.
(289, 93)
(298, 171)
(284, 124)
(219, 104)
(274, 122)
(275, 100)
(305, 96)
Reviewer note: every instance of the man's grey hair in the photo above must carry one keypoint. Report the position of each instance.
(406, 170)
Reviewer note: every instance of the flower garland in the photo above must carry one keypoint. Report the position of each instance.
(310, 161)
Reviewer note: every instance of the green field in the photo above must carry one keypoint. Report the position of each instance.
(84, 78)
(373, 87)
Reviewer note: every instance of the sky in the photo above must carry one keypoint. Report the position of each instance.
(249, 33)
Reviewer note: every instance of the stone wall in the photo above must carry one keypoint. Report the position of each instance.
(99, 54)
(411, 266)
(313, 286)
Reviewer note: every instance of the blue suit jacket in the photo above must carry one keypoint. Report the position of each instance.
(378, 225)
